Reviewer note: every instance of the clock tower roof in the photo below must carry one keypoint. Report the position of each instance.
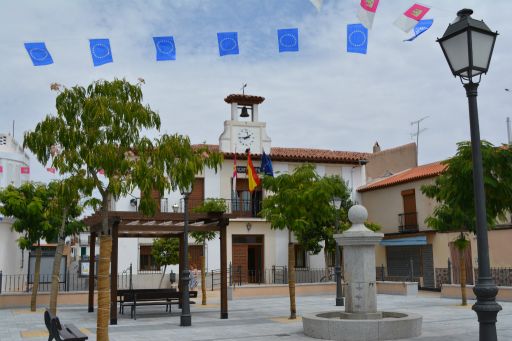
(244, 99)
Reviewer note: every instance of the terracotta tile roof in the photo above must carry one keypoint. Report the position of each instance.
(412, 174)
(302, 155)
(244, 99)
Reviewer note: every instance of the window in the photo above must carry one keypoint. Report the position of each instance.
(146, 260)
(300, 256)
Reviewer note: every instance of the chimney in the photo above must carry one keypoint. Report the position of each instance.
(376, 147)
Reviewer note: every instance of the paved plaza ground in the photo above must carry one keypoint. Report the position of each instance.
(254, 319)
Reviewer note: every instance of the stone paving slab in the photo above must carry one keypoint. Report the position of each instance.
(254, 319)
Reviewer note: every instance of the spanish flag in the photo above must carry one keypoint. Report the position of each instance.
(254, 179)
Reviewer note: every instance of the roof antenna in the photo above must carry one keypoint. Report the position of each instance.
(417, 134)
(243, 88)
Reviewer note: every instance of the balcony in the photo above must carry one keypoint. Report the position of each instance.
(408, 222)
(237, 208)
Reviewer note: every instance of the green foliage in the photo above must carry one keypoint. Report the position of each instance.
(303, 202)
(202, 237)
(28, 204)
(166, 251)
(99, 128)
(372, 226)
(461, 243)
(38, 211)
(212, 205)
(453, 189)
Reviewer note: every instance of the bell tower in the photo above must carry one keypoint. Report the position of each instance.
(244, 130)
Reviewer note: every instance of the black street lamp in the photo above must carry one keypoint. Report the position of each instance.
(185, 318)
(467, 45)
(337, 268)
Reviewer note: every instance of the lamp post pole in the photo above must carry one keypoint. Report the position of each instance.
(467, 45)
(185, 318)
(337, 268)
(485, 289)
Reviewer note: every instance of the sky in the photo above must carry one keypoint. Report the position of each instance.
(319, 97)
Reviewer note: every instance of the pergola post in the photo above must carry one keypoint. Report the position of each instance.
(181, 265)
(223, 272)
(113, 273)
(92, 261)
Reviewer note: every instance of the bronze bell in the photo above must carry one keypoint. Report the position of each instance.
(244, 113)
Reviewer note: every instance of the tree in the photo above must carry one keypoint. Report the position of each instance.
(64, 208)
(165, 251)
(28, 204)
(453, 190)
(301, 202)
(98, 128)
(202, 237)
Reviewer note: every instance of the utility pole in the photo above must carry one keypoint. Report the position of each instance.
(417, 134)
(509, 137)
(508, 131)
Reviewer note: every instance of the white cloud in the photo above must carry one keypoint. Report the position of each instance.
(321, 97)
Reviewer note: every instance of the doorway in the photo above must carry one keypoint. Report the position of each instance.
(248, 255)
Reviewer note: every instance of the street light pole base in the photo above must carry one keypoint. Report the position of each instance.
(340, 302)
(185, 320)
(487, 310)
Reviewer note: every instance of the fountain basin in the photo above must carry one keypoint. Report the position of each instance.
(331, 325)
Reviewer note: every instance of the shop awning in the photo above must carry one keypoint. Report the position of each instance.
(418, 240)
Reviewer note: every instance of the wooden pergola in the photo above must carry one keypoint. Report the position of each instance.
(135, 224)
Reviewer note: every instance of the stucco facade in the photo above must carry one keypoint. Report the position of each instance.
(385, 201)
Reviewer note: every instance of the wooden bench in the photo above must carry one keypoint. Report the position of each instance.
(67, 332)
(148, 297)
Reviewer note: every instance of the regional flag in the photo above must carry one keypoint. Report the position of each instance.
(411, 17)
(25, 170)
(51, 170)
(100, 51)
(165, 48)
(228, 43)
(266, 165)
(252, 176)
(1, 169)
(357, 38)
(421, 27)
(39, 54)
(367, 11)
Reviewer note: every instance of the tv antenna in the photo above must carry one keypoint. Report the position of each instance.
(243, 88)
(417, 134)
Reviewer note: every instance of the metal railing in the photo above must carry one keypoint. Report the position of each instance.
(237, 276)
(408, 222)
(236, 207)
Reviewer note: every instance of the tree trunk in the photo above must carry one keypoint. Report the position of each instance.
(203, 279)
(35, 284)
(462, 276)
(163, 275)
(103, 316)
(104, 288)
(291, 277)
(56, 267)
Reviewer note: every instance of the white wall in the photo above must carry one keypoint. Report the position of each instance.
(128, 253)
(211, 183)
(13, 260)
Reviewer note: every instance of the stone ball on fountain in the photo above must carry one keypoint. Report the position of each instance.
(357, 214)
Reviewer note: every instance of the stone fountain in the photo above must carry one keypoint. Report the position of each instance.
(361, 320)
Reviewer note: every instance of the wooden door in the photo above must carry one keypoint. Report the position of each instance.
(196, 198)
(194, 256)
(410, 221)
(455, 255)
(240, 263)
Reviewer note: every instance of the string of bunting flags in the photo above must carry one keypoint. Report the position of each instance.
(287, 38)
